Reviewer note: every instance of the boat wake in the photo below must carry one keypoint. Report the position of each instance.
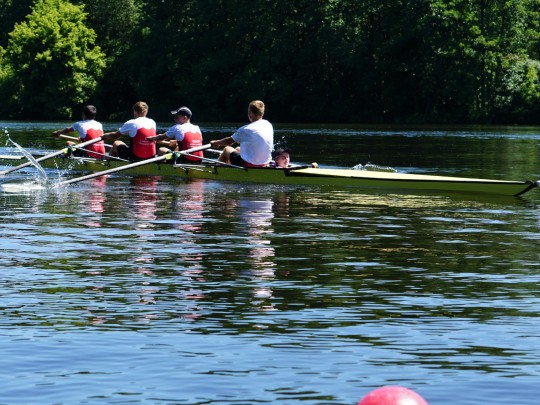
(374, 168)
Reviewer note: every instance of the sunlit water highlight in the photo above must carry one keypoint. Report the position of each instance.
(21, 187)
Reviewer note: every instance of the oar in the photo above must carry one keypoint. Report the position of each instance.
(132, 165)
(216, 151)
(72, 138)
(109, 157)
(60, 152)
(214, 161)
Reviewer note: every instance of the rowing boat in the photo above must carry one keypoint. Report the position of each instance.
(369, 181)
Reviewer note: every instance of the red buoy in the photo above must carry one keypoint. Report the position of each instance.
(392, 395)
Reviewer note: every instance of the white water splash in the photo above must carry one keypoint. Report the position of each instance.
(42, 175)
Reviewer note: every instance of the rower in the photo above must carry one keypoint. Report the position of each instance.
(139, 129)
(256, 141)
(282, 158)
(88, 129)
(184, 136)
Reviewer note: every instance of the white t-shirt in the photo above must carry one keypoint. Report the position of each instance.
(82, 127)
(132, 126)
(179, 130)
(256, 142)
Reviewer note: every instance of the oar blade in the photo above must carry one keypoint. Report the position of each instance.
(49, 156)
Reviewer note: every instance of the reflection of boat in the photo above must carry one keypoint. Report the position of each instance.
(371, 181)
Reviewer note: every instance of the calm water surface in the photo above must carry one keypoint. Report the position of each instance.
(127, 290)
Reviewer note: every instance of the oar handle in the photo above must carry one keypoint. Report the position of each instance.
(73, 138)
(69, 138)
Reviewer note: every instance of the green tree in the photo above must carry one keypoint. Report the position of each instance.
(11, 12)
(217, 61)
(310, 60)
(117, 24)
(380, 47)
(480, 62)
(53, 61)
(114, 22)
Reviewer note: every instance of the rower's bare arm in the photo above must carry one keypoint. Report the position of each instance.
(112, 135)
(157, 138)
(222, 142)
(63, 131)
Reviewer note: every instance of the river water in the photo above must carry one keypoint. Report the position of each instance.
(127, 290)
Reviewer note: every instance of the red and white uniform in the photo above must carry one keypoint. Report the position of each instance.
(188, 136)
(88, 130)
(139, 129)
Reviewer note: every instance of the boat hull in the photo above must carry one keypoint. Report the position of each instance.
(370, 181)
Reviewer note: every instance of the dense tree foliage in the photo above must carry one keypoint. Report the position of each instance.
(116, 24)
(11, 12)
(52, 62)
(370, 61)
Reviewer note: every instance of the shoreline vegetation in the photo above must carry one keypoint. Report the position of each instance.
(406, 62)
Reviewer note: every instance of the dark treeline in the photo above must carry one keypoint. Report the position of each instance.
(370, 61)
